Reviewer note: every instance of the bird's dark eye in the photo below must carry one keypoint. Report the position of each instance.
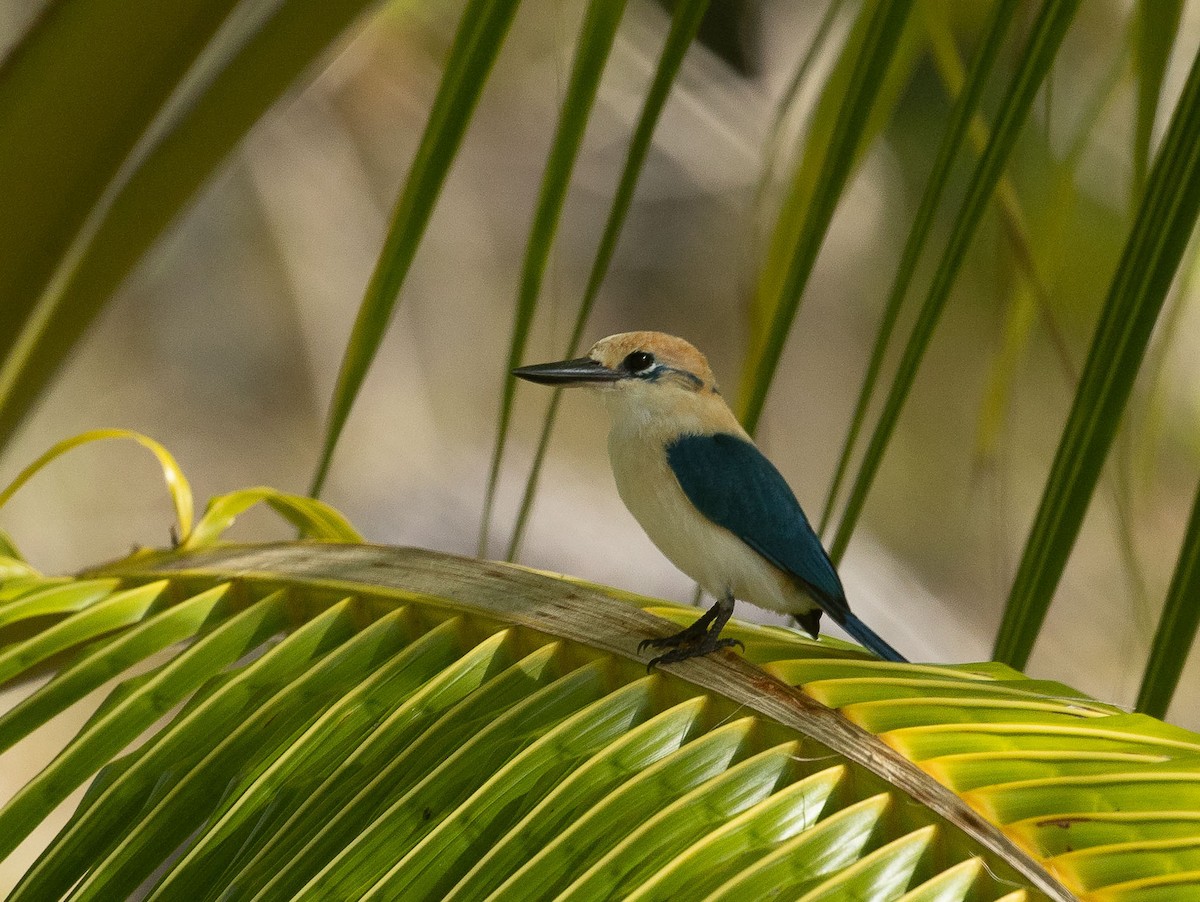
(638, 362)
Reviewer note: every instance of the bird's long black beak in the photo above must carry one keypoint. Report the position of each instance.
(581, 371)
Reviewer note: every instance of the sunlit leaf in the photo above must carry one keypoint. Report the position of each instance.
(391, 722)
(313, 518)
(177, 484)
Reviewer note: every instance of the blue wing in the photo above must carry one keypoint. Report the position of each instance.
(734, 485)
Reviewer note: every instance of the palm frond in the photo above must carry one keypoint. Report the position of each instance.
(873, 45)
(1035, 60)
(684, 24)
(1165, 221)
(481, 32)
(374, 722)
(596, 35)
(1177, 625)
(103, 142)
(1157, 27)
(956, 130)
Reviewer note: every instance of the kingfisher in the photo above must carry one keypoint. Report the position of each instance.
(705, 495)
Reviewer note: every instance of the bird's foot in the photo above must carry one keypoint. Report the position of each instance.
(692, 635)
(682, 651)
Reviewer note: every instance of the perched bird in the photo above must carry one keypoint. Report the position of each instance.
(702, 491)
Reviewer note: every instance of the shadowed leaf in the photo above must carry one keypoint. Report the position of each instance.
(596, 36)
(1164, 224)
(481, 32)
(1034, 61)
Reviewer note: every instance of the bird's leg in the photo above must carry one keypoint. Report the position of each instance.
(698, 639)
(687, 636)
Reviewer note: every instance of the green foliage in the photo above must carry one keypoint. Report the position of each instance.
(687, 18)
(1177, 625)
(1157, 26)
(481, 33)
(517, 732)
(1165, 222)
(103, 142)
(1040, 49)
(596, 36)
(956, 130)
(366, 722)
(878, 38)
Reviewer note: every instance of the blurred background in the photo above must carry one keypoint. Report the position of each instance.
(225, 342)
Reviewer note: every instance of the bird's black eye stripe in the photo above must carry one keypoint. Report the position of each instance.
(638, 362)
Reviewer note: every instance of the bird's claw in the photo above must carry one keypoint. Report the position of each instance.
(689, 636)
(681, 652)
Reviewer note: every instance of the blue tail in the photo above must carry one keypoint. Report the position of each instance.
(867, 637)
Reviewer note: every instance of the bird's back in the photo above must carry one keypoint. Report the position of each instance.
(712, 555)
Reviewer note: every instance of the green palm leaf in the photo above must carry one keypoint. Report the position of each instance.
(373, 722)
(1157, 26)
(869, 55)
(684, 24)
(596, 35)
(481, 32)
(104, 141)
(1177, 626)
(1039, 53)
(1165, 221)
(956, 130)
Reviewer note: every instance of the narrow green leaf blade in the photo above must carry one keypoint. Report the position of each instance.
(368, 856)
(121, 609)
(939, 176)
(484, 686)
(160, 181)
(481, 33)
(603, 774)
(884, 874)
(56, 598)
(1131, 863)
(1047, 798)
(314, 519)
(670, 831)
(596, 36)
(303, 766)
(186, 619)
(1164, 225)
(833, 844)
(684, 24)
(107, 734)
(1157, 28)
(952, 885)
(597, 830)
(71, 110)
(1040, 50)
(748, 837)
(444, 855)
(873, 56)
(316, 675)
(1177, 625)
(374, 768)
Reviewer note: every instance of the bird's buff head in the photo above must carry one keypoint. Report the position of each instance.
(647, 373)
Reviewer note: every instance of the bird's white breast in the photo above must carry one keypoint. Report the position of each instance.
(711, 555)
